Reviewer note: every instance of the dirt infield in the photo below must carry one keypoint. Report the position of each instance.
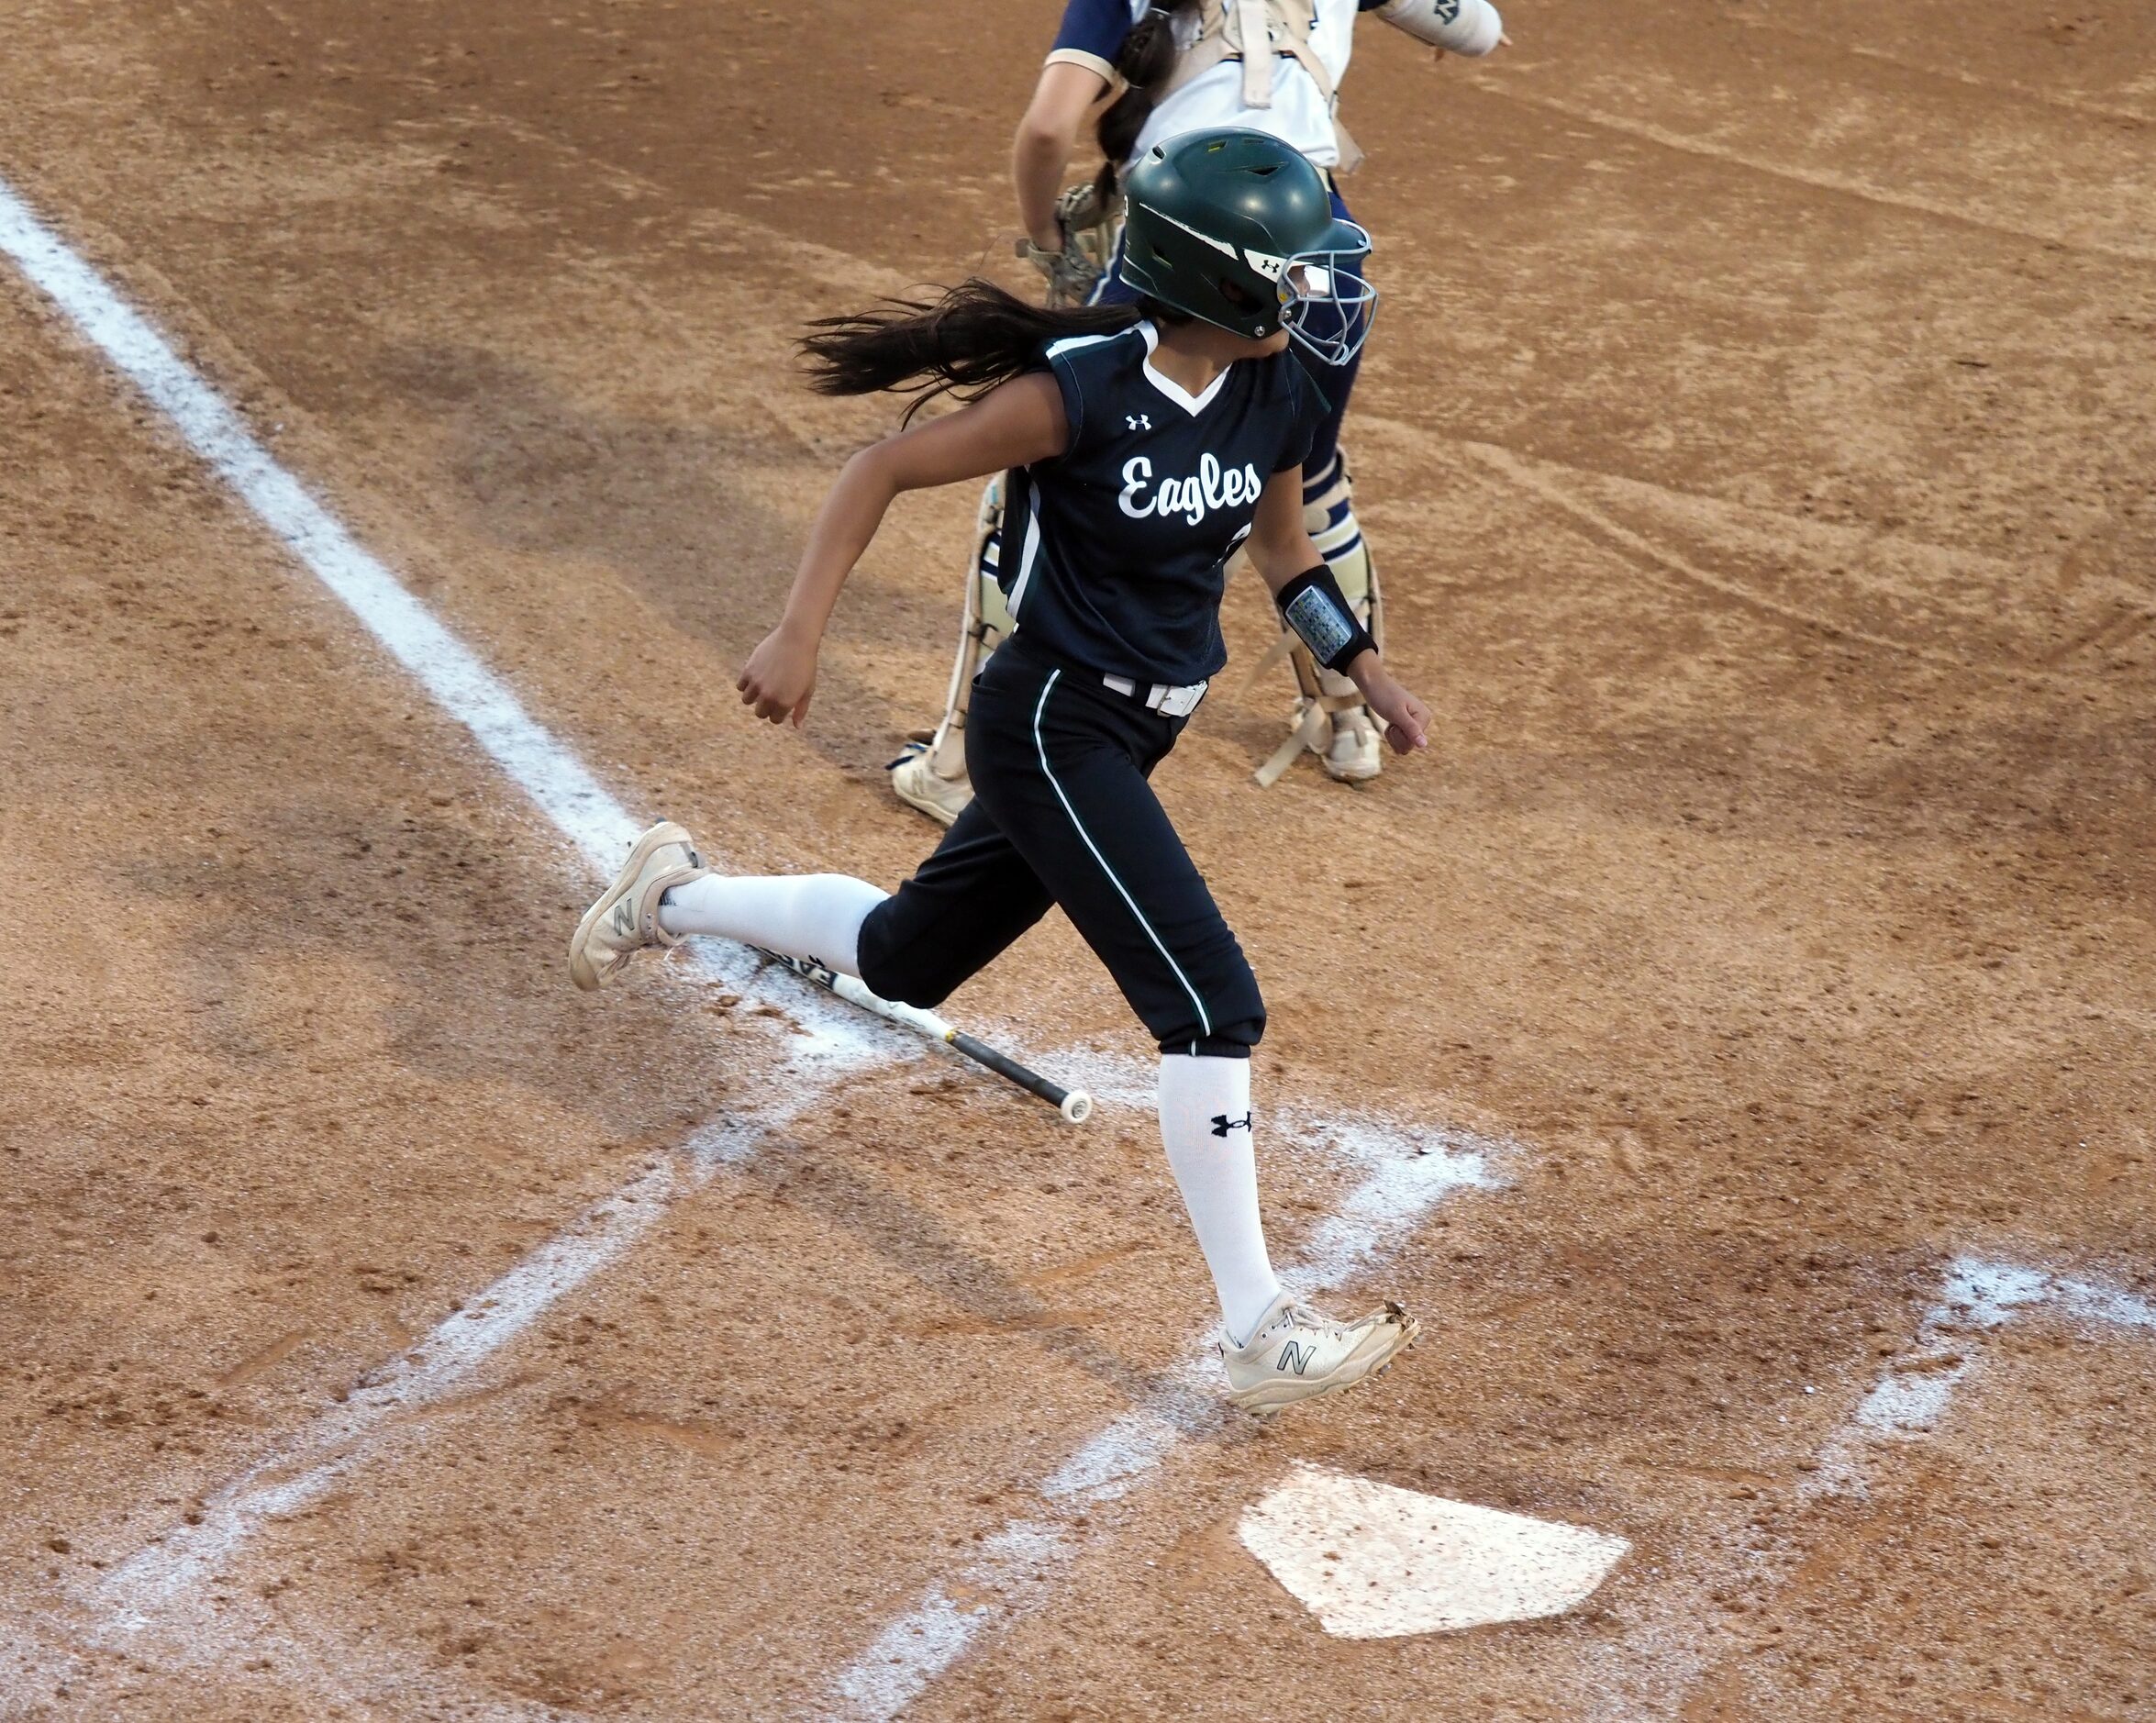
(1758, 439)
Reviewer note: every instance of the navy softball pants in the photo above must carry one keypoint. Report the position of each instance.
(1062, 814)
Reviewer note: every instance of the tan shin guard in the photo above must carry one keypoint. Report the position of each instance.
(1320, 693)
(987, 622)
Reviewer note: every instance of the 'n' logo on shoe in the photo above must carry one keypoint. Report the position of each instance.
(624, 916)
(1295, 1356)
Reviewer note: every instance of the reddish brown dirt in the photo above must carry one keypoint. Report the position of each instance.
(1758, 441)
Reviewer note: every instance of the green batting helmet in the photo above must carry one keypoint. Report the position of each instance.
(1235, 228)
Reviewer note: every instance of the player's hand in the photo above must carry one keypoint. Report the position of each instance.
(779, 679)
(1406, 719)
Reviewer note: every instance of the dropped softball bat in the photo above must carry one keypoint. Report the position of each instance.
(1075, 1105)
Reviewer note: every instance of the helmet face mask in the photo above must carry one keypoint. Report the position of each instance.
(1235, 227)
(1326, 306)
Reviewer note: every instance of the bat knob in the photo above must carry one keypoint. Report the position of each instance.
(1076, 1106)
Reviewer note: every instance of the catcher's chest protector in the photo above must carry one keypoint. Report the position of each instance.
(1229, 28)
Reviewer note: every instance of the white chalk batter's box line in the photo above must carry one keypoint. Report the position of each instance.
(153, 1583)
(1666, 1655)
(1978, 1298)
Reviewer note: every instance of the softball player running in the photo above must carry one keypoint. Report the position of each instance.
(1178, 66)
(1142, 445)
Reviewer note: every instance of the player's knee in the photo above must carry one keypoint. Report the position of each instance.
(908, 987)
(1231, 1021)
(1229, 1040)
(915, 984)
(898, 966)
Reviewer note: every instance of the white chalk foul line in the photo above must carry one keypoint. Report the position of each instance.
(1017, 1563)
(562, 788)
(549, 773)
(558, 783)
(1977, 1299)
(1666, 1656)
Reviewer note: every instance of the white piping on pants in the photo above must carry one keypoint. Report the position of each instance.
(1205, 1021)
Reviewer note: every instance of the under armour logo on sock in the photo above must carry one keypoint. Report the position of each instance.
(1222, 1123)
(1138, 421)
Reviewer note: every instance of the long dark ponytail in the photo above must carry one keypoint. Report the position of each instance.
(1144, 63)
(965, 343)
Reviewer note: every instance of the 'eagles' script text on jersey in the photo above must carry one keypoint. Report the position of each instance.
(1115, 551)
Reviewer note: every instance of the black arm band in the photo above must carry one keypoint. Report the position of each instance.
(1313, 605)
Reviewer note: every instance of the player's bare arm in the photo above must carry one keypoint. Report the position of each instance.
(1283, 551)
(1015, 424)
(1045, 137)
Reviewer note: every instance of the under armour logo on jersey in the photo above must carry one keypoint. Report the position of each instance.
(1138, 421)
(1295, 1356)
(1222, 1123)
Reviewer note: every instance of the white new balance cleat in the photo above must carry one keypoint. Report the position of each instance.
(626, 918)
(1357, 751)
(1297, 1354)
(915, 781)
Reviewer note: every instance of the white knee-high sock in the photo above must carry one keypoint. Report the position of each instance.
(796, 914)
(1206, 1127)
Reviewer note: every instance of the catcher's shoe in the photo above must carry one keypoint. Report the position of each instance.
(1297, 1354)
(626, 918)
(1356, 752)
(915, 781)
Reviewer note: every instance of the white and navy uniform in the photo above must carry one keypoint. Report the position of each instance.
(1121, 551)
(1091, 34)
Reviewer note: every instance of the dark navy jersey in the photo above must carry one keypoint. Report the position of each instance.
(1114, 552)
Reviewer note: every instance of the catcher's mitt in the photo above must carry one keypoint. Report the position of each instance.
(1088, 225)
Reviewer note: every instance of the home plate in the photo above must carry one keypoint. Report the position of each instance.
(1371, 1562)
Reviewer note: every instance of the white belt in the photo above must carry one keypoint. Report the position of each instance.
(1159, 696)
